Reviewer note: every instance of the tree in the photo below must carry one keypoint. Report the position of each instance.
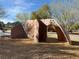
(16, 23)
(2, 25)
(65, 13)
(22, 17)
(34, 15)
(2, 12)
(8, 26)
(43, 13)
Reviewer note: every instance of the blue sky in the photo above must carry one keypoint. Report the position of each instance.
(13, 7)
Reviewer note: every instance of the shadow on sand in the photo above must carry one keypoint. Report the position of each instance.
(52, 40)
(55, 40)
(75, 43)
(74, 33)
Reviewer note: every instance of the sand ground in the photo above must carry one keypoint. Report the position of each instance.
(22, 50)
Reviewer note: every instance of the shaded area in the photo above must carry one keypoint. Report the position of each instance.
(17, 31)
(42, 32)
(52, 40)
(75, 33)
(74, 43)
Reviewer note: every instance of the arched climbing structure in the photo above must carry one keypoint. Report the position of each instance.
(37, 30)
(63, 36)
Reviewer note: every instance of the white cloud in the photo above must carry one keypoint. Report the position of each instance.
(19, 6)
(23, 3)
(7, 20)
(14, 10)
(16, 7)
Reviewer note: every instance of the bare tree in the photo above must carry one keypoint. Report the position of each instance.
(22, 17)
(67, 12)
(2, 12)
